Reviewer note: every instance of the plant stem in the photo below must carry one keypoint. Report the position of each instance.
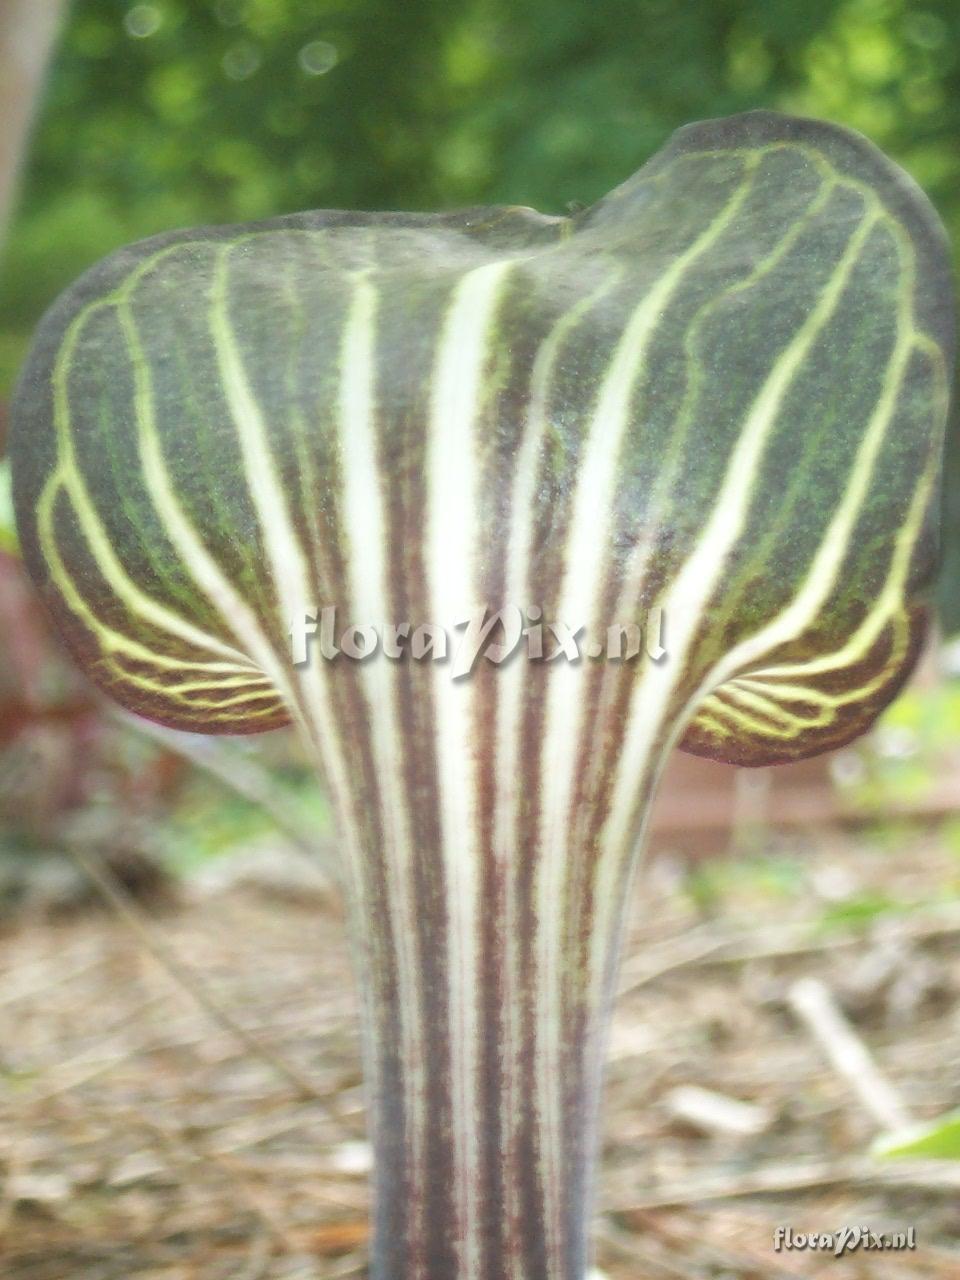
(489, 829)
(484, 1075)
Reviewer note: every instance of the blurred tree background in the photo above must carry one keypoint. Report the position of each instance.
(191, 111)
(183, 112)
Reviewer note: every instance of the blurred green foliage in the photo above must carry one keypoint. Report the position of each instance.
(188, 111)
(903, 762)
(8, 533)
(210, 821)
(181, 112)
(939, 1140)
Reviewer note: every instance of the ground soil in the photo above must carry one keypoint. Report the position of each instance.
(141, 1137)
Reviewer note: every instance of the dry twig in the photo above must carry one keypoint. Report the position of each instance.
(813, 1003)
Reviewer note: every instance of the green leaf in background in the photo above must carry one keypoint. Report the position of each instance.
(938, 1140)
(8, 532)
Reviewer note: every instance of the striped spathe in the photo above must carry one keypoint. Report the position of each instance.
(720, 393)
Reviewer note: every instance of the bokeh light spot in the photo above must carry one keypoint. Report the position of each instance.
(926, 30)
(318, 57)
(142, 21)
(242, 60)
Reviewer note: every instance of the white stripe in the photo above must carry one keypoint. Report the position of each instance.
(453, 545)
(288, 566)
(369, 573)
